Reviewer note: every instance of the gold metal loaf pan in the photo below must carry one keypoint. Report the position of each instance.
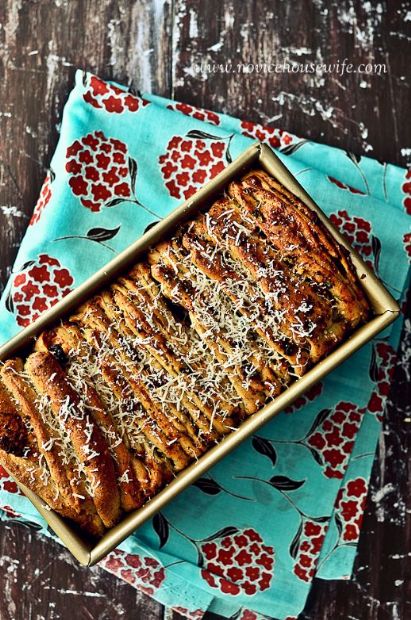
(384, 307)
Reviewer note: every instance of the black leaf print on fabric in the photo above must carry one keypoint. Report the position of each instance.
(202, 135)
(295, 543)
(132, 167)
(26, 265)
(318, 420)
(102, 234)
(9, 302)
(200, 558)
(226, 531)
(160, 526)
(339, 525)
(150, 226)
(228, 154)
(283, 483)
(114, 202)
(376, 249)
(208, 485)
(264, 447)
(373, 367)
(316, 455)
(321, 519)
(291, 148)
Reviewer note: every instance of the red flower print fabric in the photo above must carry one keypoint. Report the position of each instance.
(37, 286)
(43, 200)
(110, 98)
(407, 244)
(101, 173)
(191, 161)
(271, 136)
(346, 187)
(10, 512)
(358, 233)
(381, 371)
(332, 440)
(238, 563)
(406, 188)
(143, 572)
(7, 484)
(198, 113)
(349, 509)
(306, 548)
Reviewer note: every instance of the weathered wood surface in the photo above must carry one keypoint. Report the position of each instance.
(157, 44)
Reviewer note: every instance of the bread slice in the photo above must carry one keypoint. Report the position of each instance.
(76, 423)
(30, 454)
(67, 340)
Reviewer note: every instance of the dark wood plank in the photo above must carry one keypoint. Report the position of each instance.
(42, 43)
(359, 112)
(39, 579)
(155, 44)
(381, 585)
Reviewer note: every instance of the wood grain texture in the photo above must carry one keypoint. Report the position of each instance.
(364, 113)
(41, 44)
(39, 579)
(156, 45)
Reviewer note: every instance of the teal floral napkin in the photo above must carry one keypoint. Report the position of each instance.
(247, 539)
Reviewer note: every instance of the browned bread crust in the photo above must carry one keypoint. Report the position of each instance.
(89, 446)
(69, 338)
(20, 455)
(150, 373)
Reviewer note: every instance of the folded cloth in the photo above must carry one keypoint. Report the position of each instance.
(247, 538)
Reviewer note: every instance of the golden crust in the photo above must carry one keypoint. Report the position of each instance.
(20, 456)
(152, 468)
(158, 345)
(88, 443)
(155, 377)
(178, 285)
(304, 317)
(152, 421)
(25, 397)
(297, 232)
(210, 259)
(69, 338)
(151, 372)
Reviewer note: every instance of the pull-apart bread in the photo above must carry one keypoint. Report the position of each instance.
(213, 323)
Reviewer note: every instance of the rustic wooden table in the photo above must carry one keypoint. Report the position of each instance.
(156, 45)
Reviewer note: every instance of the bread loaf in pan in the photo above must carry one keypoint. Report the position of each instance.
(147, 375)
